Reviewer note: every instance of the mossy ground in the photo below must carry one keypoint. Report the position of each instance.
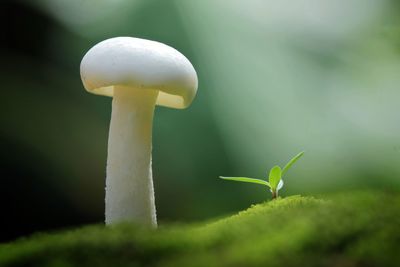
(352, 229)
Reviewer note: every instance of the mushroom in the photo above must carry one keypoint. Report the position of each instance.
(139, 74)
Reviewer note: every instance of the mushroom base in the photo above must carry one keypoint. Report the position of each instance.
(129, 182)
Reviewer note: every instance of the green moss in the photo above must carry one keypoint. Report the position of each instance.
(353, 229)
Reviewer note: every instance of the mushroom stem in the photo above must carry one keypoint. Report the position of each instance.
(129, 182)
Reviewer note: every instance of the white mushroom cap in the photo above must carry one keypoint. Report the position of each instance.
(143, 64)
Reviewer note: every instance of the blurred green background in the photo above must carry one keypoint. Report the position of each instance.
(275, 78)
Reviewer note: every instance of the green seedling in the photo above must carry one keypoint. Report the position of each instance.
(275, 182)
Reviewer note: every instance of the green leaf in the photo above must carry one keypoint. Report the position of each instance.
(275, 175)
(246, 180)
(291, 162)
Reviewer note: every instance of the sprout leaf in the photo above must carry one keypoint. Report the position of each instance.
(275, 175)
(280, 185)
(246, 180)
(291, 162)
